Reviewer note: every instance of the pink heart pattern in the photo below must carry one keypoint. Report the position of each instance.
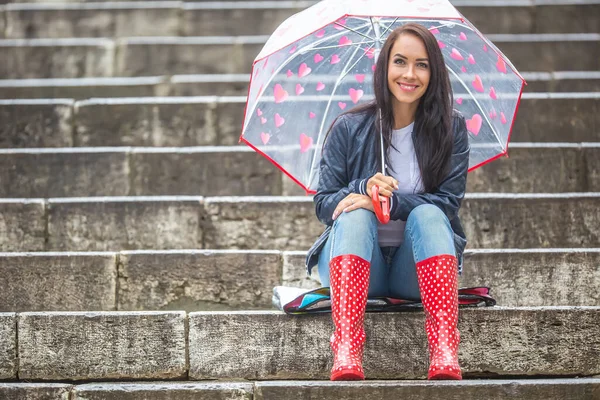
(474, 124)
(289, 73)
(342, 105)
(462, 36)
(441, 44)
(265, 137)
(320, 86)
(318, 58)
(335, 59)
(493, 114)
(299, 89)
(370, 52)
(263, 120)
(280, 94)
(360, 78)
(279, 120)
(259, 112)
(311, 115)
(493, 93)
(455, 54)
(355, 95)
(303, 70)
(320, 34)
(478, 84)
(471, 59)
(463, 68)
(293, 50)
(434, 30)
(501, 65)
(305, 143)
(344, 41)
(502, 118)
(342, 22)
(459, 100)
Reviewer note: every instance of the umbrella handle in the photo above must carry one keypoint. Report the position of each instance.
(381, 211)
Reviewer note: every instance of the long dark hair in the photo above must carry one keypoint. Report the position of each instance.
(433, 138)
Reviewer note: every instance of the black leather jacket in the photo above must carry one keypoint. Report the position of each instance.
(350, 158)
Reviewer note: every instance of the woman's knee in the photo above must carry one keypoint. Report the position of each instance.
(359, 218)
(428, 218)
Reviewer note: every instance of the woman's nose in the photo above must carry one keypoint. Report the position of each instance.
(409, 72)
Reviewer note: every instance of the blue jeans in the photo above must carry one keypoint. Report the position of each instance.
(393, 269)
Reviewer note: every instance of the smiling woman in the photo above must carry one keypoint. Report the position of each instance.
(417, 255)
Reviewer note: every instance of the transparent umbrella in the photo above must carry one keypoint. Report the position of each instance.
(320, 62)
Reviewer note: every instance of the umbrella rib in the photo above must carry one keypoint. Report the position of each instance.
(355, 31)
(337, 46)
(388, 28)
(344, 73)
(478, 106)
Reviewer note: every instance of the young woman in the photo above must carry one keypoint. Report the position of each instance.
(418, 254)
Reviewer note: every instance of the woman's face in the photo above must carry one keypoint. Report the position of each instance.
(408, 69)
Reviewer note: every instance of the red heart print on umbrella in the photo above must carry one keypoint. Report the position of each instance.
(474, 124)
(280, 94)
(305, 143)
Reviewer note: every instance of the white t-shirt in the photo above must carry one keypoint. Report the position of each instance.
(405, 168)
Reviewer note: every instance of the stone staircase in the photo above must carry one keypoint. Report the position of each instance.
(139, 243)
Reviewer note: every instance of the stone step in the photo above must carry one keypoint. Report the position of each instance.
(150, 56)
(258, 345)
(491, 220)
(240, 171)
(219, 280)
(492, 389)
(262, 18)
(229, 85)
(217, 121)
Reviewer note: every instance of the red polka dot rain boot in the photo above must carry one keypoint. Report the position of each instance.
(349, 276)
(438, 283)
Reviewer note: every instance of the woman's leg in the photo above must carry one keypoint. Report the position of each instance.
(350, 249)
(425, 266)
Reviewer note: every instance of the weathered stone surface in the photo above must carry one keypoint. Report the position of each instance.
(536, 277)
(41, 123)
(554, 53)
(214, 171)
(22, 225)
(535, 389)
(81, 88)
(115, 224)
(56, 58)
(592, 166)
(200, 20)
(146, 122)
(294, 271)
(522, 221)
(230, 119)
(35, 391)
(58, 282)
(534, 168)
(165, 391)
(196, 55)
(563, 18)
(197, 280)
(490, 221)
(103, 345)
(283, 223)
(567, 118)
(209, 85)
(8, 346)
(568, 81)
(63, 173)
(84, 20)
(494, 342)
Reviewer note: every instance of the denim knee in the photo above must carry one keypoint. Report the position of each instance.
(359, 223)
(428, 218)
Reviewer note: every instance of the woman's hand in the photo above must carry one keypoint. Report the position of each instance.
(352, 202)
(387, 184)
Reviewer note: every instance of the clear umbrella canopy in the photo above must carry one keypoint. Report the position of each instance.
(320, 62)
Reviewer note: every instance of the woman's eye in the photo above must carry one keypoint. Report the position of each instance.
(423, 65)
(399, 61)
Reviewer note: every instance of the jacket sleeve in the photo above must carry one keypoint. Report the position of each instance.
(450, 193)
(334, 183)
